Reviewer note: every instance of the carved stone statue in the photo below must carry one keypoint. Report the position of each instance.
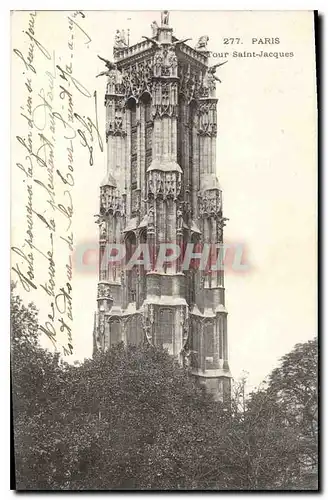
(151, 216)
(165, 18)
(159, 185)
(170, 184)
(118, 122)
(210, 82)
(150, 185)
(103, 229)
(151, 314)
(158, 61)
(179, 220)
(102, 325)
(172, 59)
(202, 43)
(120, 41)
(147, 330)
(179, 183)
(154, 28)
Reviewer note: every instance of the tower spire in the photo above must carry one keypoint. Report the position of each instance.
(161, 188)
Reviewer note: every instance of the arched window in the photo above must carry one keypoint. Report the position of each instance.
(221, 335)
(181, 130)
(225, 340)
(143, 270)
(209, 345)
(115, 332)
(192, 115)
(145, 100)
(195, 344)
(193, 269)
(131, 274)
(147, 132)
(131, 106)
(165, 329)
(134, 331)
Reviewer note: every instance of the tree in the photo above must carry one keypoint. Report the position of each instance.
(37, 393)
(156, 428)
(131, 418)
(294, 385)
(277, 433)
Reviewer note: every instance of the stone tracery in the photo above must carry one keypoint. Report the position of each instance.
(161, 128)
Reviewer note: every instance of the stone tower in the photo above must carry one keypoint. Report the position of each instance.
(161, 187)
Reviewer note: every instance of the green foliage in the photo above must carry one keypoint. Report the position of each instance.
(131, 418)
(278, 426)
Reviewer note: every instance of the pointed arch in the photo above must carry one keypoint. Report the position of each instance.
(165, 328)
(114, 331)
(131, 103)
(209, 344)
(142, 269)
(134, 330)
(145, 98)
(131, 274)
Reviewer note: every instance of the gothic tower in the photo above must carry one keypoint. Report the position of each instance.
(161, 187)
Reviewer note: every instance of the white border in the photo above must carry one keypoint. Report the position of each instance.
(5, 160)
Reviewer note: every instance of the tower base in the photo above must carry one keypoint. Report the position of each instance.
(217, 385)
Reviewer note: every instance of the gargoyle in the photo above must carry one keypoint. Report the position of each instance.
(109, 65)
(154, 42)
(213, 69)
(181, 41)
(158, 44)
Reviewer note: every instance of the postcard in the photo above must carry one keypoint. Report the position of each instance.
(164, 250)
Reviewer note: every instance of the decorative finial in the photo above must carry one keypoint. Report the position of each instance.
(120, 42)
(165, 18)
